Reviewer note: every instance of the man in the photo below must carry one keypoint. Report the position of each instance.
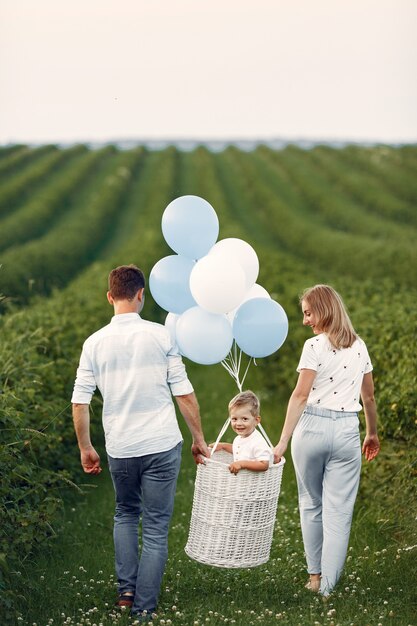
(136, 367)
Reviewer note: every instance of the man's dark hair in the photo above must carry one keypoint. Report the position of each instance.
(125, 281)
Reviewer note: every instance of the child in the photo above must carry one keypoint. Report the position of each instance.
(249, 448)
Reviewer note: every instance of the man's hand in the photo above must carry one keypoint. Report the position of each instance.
(90, 461)
(199, 451)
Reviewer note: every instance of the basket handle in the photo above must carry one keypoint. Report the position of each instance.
(265, 436)
(221, 433)
(225, 427)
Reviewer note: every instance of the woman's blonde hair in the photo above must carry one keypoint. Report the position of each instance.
(332, 317)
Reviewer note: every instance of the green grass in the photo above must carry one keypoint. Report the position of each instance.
(297, 216)
(73, 582)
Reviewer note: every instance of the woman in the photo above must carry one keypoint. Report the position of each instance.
(334, 372)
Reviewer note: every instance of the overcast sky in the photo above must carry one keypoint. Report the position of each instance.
(81, 70)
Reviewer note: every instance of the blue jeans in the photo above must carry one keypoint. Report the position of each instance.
(144, 487)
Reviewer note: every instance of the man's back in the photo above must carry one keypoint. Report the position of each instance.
(135, 366)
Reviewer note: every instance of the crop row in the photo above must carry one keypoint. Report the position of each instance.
(391, 172)
(75, 240)
(21, 157)
(41, 211)
(365, 188)
(300, 231)
(7, 150)
(340, 197)
(24, 184)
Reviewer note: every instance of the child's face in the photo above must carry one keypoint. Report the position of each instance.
(242, 420)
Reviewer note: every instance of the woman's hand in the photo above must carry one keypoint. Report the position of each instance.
(280, 450)
(370, 447)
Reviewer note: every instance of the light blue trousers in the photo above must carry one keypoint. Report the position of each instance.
(326, 452)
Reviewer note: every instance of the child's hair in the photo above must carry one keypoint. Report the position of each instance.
(332, 317)
(246, 397)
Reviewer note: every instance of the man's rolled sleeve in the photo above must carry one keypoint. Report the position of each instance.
(177, 375)
(85, 382)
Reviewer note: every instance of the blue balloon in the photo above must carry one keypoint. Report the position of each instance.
(204, 337)
(169, 283)
(260, 327)
(190, 226)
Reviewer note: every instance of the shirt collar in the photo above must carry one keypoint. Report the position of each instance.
(121, 318)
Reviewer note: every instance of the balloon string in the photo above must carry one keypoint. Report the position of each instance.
(232, 363)
(246, 371)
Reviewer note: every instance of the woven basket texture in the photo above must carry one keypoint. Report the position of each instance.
(233, 516)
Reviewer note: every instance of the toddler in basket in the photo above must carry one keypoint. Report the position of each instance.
(250, 450)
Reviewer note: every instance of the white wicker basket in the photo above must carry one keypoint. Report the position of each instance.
(233, 515)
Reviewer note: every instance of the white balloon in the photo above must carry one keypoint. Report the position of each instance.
(217, 283)
(256, 291)
(243, 253)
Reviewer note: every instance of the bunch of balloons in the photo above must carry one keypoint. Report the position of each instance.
(209, 289)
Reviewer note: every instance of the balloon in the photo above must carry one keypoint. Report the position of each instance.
(256, 291)
(190, 226)
(169, 283)
(217, 283)
(171, 323)
(260, 327)
(243, 253)
(204, 337)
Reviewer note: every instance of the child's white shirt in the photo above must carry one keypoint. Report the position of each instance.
(251, 448)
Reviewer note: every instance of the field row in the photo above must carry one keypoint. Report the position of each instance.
(61, 211)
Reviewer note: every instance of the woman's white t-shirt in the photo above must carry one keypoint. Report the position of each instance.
(338, 382)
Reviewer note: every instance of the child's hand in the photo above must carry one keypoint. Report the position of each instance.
(219, 446)
(235, 467)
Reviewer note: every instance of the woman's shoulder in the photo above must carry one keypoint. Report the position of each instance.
(316, 342)
(359, 342)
